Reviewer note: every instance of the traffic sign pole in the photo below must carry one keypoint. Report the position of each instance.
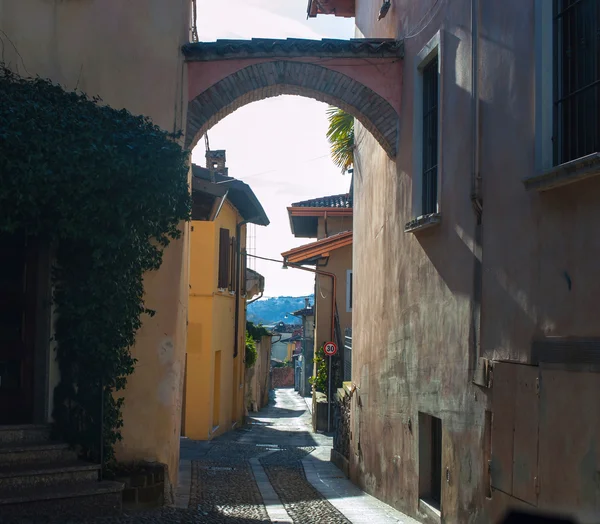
(330, 349)
(329, 399)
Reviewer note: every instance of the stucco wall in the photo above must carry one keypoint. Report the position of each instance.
(339, 262)
(412, 293)
(211, 328)
(335, 225)
(128, 54)
(414, 341)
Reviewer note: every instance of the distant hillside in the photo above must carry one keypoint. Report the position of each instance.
(274, 309)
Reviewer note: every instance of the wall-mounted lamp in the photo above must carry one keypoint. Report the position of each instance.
(384, 9)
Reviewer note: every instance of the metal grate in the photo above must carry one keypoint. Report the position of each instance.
(430, 137)
(576, 79)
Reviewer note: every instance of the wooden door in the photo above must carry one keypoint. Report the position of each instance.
(17, 328)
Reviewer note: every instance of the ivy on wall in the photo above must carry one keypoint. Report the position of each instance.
(108, 191)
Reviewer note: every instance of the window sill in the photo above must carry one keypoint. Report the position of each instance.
(568, 173)
(423, 222)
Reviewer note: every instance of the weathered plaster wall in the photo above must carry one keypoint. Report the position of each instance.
(413, 339)
(412, 293)
(129, 54)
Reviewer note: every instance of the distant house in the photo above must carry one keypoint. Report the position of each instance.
(327, 219)
(305, 353)
(220, 284)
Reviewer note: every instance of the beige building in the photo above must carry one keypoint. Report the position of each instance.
(130, 57)
(475, 339)
(329, 220)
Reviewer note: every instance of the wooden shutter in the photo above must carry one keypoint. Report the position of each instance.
(232, 264)
(223, 258)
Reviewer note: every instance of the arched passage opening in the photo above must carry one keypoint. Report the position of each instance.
(362, 77)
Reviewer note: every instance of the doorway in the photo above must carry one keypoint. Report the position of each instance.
(18, 297)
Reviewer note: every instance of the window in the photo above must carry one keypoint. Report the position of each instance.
(348, 291)
(224, 262)
(576, 47)
(430, 460)
(426, 168)
(430, 137)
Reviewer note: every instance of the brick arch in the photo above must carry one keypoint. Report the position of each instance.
(273, 78)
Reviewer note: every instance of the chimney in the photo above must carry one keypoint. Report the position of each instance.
(215, 162)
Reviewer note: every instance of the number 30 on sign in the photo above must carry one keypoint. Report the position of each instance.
(330, 349)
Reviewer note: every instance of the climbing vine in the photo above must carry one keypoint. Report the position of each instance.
(251, 352)
(107, 190)
(319, 381)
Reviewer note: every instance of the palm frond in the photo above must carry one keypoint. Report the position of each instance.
(340, 135)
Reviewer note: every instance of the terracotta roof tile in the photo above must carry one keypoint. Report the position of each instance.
(355, 47)
(344, 200)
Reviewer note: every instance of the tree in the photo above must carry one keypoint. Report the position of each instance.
(341, 137)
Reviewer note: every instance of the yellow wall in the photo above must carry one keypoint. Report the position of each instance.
(211, 329)
(128, 53)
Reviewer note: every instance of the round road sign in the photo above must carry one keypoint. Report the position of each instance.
(330, 349)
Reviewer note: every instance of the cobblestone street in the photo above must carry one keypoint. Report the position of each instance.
(273, 470)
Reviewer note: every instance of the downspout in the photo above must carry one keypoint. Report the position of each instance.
(260, 295)
(238, 256)
(476, 189)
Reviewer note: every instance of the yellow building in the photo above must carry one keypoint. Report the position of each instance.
(214, 386)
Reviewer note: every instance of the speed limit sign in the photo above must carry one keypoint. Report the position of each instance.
(330, 349)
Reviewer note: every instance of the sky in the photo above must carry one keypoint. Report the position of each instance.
(277, 146)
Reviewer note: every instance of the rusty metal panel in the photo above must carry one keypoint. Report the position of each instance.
(569, 454)
(525, 454)
(503, 418)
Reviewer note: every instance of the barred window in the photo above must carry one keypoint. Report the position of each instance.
(576, 79)
(430, 137)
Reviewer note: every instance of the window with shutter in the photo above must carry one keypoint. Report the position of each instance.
(224, 250)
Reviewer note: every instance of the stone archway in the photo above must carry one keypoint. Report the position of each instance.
(362, 77)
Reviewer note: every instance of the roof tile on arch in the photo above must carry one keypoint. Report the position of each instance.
(339, 201)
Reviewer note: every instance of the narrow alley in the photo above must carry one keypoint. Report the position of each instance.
(273, 469)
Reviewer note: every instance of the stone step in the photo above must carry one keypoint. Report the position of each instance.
(40, 452)
(70, 500)
(26, 475)
(24, 433)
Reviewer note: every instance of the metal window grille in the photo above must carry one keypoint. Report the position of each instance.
(576, 79)
(430, 137)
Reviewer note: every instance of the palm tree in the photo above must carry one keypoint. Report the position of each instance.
(341, 137)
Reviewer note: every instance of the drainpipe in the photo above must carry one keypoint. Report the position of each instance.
(238, 256)
(260, 295)
(476, 189)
